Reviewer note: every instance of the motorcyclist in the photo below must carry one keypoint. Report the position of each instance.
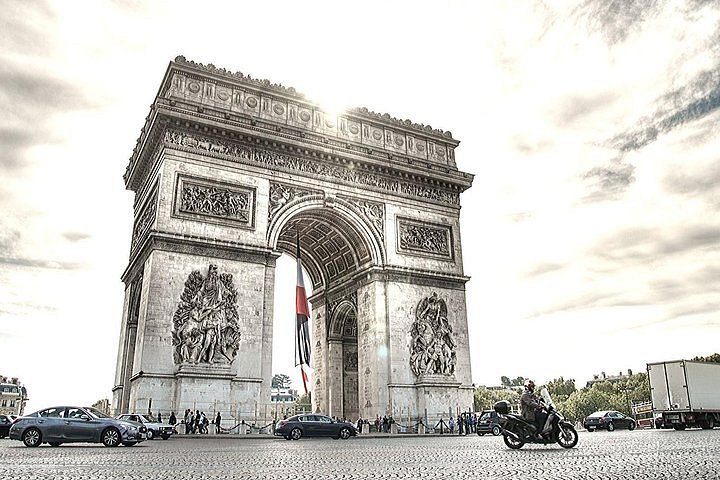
(532, 407)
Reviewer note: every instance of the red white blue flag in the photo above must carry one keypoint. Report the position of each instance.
(302, 331)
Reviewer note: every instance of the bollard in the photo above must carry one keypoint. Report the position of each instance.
(365, 428)
(421, 429)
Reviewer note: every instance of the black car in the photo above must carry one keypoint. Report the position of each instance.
(608, 420)
(5, 423)
(489, 422)
(313, 425)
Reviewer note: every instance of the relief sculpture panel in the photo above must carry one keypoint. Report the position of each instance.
(432, 348)
(205, 324)
(424, 239)
(212, 201)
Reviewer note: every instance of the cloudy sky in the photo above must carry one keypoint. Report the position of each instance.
(591, 233)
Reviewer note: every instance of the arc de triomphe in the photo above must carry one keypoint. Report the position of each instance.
(228, 171)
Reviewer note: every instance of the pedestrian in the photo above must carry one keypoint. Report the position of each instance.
(204, 423)
(159, 417)
(197, 423)
(217, 423)
(188, 422)
(451, 424)
(385, 424)
(173, 419)
(377, 423)
(461, 424)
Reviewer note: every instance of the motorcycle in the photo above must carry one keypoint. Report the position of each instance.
(517, 431)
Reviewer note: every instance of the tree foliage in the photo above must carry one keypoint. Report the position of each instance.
(714, 358)
(512, 382)
(485, 398)
(281, 380)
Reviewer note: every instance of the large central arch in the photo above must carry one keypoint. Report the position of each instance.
(229, 172)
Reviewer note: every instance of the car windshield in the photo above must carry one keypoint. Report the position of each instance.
(97, 413)
(149, 418)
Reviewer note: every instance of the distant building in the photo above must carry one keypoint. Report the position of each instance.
(103, 405)
(13, 396)
(608, 378)
(283, 401)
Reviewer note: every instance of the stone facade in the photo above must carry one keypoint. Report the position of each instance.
(228, 170)
(13, 396)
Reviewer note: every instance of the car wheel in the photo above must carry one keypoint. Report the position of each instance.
(295, 434)
(287, 437)
(680, 426)
(165, 437)
(707, 423)
(590, 429)
(610, 427)
(344, 433)
(631, 426)
(54, 444)
(110, 437)
(32, 437)
(150, 434)
(496, 430)
(129, 444)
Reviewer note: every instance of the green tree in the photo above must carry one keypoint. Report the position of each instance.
(484, 398)
(281, 380)
(304, 403)
(561, 389)
(714, 358)
(505, 381)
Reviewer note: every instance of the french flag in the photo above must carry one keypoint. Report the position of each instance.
(302, 332)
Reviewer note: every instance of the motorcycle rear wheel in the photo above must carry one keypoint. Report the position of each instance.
(567, 436)
(512, 443)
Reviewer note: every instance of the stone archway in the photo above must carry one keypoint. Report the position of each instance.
(228, 171)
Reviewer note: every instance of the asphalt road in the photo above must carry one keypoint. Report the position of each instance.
(641, 454)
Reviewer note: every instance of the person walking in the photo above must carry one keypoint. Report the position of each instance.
(451, 425)
(159, 417)
(218, 419)
(188, 422)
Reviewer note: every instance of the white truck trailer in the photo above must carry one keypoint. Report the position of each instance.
(686, 393)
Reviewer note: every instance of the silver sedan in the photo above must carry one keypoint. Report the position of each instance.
(58, 425)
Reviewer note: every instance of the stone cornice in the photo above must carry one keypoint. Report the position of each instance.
(199, 96)
(192, 245)
(291, 93)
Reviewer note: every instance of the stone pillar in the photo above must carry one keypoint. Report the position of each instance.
(373, 351)
(334, 376)
(318, 385)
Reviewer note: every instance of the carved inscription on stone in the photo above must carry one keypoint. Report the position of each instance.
(268, 158)
(281, 195)
(205, 324)
(432, 347)
(214, 201)
(145, 219)
(424, 239)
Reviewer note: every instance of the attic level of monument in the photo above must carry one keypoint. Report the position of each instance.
(213, 111)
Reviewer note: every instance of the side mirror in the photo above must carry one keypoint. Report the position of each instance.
(84, 417)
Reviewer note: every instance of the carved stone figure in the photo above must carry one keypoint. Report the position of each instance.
(424, 239)
(205, 324)
(432, 348)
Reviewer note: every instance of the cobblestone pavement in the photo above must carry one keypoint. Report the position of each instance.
(649, 454)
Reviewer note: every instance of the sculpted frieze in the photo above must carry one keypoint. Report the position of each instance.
(276, 160)
(281, 195)
(432, 347)
(145, 219)
(421, 238)
(205, 324)
(210, 200)
(374, 212)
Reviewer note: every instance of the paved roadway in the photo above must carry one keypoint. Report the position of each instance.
(647, 454)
